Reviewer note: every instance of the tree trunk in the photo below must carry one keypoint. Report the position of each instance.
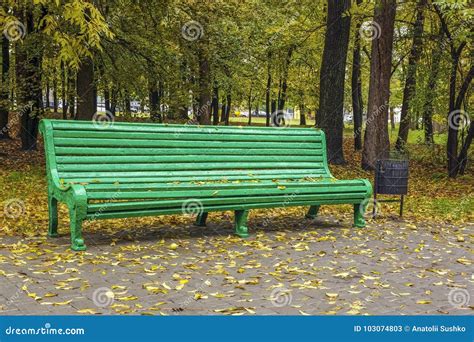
(86, 91)
(46, 105)
(228, 108)
(376, 140)
(273, 106)
(223, 110)
(106, 98)
(28, 77)
(249, 103)
(203, 113)
(430, 90)
(71, 89)
(452, 143)
(410, 82)
(4, 103)
(284, 85)
(113, 100)
(64, 91)
(302, 115)
(127, 104)
(268, 90)
(55, 92)
(155, 102)
(356, 84)
(331, 84)
(455, 117)
(392, 118)
(462, 158)
(215, 104)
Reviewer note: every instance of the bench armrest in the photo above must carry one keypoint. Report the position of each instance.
(46, 129)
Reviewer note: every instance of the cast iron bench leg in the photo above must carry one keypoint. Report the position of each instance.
(201, 219)
(76, 218)
(53, 216)
(241, 223)
(312, 212)
(359, 210)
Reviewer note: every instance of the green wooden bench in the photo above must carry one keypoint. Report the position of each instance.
(131, 170)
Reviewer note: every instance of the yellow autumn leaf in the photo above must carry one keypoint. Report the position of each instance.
(332, 296)
(87, 311)
(49, 295)
(57, 303)
(126, 298)
(199, 295)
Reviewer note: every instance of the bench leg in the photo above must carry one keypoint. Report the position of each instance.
(359, 210)
(241, 223)
(77, 241)
(53, 216)
(201, 219)
(312, 212)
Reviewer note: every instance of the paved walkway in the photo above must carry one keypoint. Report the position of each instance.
(311, 267)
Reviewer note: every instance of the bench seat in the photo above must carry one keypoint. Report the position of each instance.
(131, 170)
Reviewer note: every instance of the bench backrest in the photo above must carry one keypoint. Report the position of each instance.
(83, 151)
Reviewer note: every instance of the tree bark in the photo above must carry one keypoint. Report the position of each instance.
(64, 91)
(331, 85)
(215, 105)
(4, 103)
(71, 90)
(249, 102)
(127, 101)
(28, 77)
(410, 82)
(228, 108)
(223, 110)
(376, 140)
(155, 101)
(106, 98)
(462, 158)
(86, 91)
(203, 113)
(284, 81)
(430, 90)
(46, 105)
(268, 90)
(113, 100)
(55, 92)
(392, 118)
(302, 115)
(356, 83)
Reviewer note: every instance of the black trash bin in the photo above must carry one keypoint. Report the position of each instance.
(391, 178)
